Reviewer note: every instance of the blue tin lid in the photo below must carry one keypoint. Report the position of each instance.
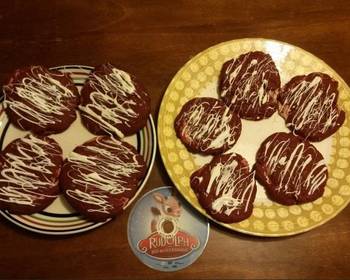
(164, 232)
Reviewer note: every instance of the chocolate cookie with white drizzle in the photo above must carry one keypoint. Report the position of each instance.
(249, 85)
(113, 102)
(291, 169)
(206, 125)
(41, 100)
(308, 103)
(30, 168)
(100, 176)
(225, 188)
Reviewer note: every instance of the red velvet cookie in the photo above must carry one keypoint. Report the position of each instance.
(291, 169)
(308, 103)
(225, 188)
(99, 177)
(113, 102)
(249, 85)
(206, 125)
(41, 100)
(30, 168)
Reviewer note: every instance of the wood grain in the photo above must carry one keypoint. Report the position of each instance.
(153, 39)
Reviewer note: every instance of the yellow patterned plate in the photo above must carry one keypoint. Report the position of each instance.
(199, 77)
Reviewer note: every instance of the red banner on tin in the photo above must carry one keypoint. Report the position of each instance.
(160, 245)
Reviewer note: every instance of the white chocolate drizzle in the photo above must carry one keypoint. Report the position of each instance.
(313, 106)
(233, 187)
(43, 99)
(103, 172)
(20, 175)
(209, 125)
(110, 103)
(296, 167)
(240, 83)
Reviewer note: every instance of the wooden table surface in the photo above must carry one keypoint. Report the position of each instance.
(153, 39)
